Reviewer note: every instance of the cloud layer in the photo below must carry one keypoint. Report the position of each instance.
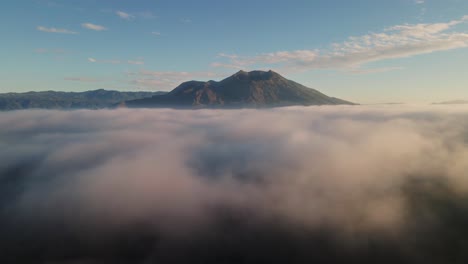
(299, 185)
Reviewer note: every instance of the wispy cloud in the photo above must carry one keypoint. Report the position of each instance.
(156, 33)
(131, 62)
(55, 30)
(82, 79)
(146, 15)
(131, 16)
(375, 70)
(166, 80)
(93, 27)
(124, 15)
(399, 41)
(422, 6)
(136, 62)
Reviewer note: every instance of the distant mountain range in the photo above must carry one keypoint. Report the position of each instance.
(243, 89)
(95, 99)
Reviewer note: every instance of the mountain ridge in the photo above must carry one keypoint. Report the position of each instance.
(93, 99)
(240, 90)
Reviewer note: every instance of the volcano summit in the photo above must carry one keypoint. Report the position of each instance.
(243, 89)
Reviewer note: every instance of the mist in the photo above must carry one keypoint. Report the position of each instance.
(329, 184)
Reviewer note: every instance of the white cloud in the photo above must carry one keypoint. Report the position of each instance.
(419, 2)
(93, 27)
(92, 60)
(124, 15)
(55, 30)
(399, 41)
(156, 33)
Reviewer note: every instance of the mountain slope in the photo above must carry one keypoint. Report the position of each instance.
(243, 89)
(68, 100)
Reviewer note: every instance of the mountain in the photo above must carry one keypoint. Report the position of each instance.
(68, 100)
(453, 102)
(243, 89)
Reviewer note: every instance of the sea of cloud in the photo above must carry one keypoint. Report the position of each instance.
(328, 184)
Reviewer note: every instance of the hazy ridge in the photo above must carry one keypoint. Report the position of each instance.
(94, 99)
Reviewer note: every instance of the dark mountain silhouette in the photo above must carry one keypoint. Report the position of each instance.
(68, 100)
(243, 89)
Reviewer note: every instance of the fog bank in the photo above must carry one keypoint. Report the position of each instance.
(341, 184)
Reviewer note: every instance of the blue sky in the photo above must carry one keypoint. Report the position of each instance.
(368, 51)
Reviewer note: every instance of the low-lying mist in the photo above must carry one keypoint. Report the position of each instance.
(341, 184)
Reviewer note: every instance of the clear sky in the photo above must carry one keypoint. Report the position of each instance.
(367, 51)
